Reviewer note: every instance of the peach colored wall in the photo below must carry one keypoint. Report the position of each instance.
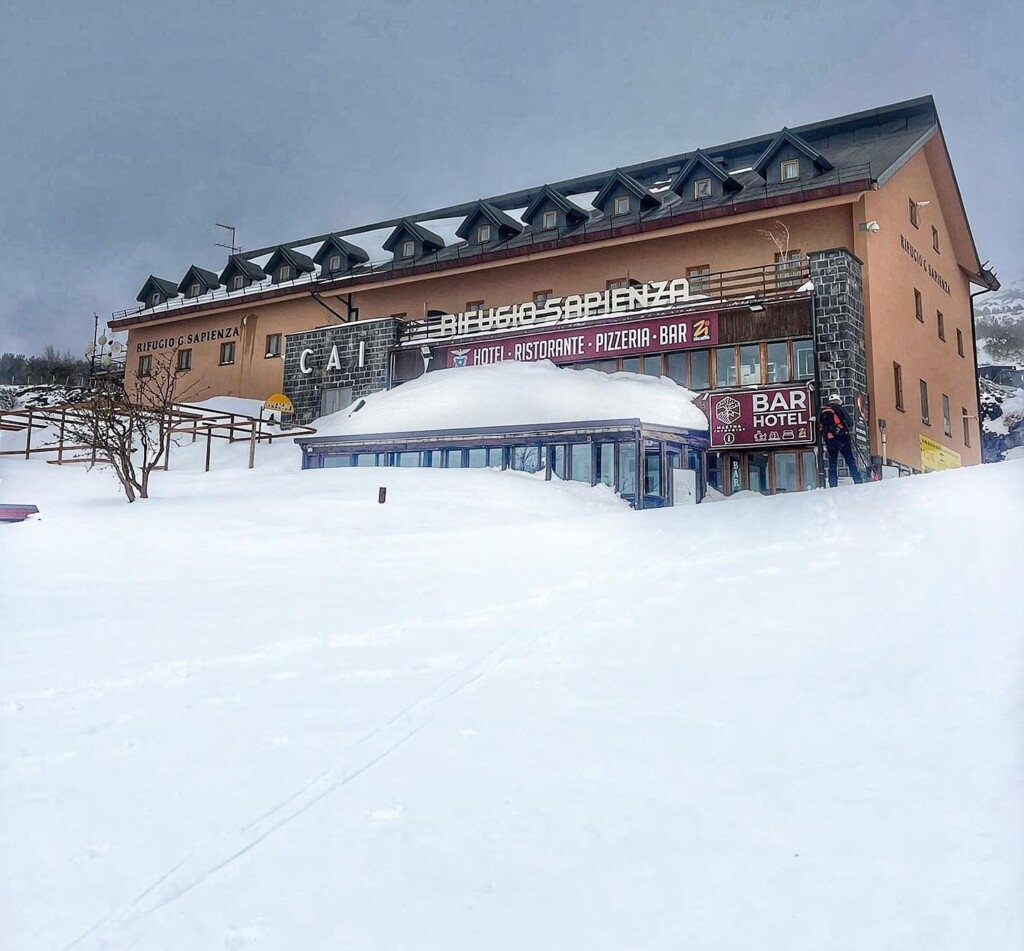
(894, 332)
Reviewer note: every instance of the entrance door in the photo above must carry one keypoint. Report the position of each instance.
(334, 399)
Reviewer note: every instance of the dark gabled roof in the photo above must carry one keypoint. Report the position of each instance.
(506, 225)
(208, 279)
(426, 237)
(284, 255)
(572, 211)
(165, 287)
(786, 137)
(335, 243)
(703, 160)
(238, 264)
(631, 185)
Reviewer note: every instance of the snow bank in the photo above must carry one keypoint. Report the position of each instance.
(514, 394)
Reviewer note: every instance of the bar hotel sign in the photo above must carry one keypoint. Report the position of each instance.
(763, 418)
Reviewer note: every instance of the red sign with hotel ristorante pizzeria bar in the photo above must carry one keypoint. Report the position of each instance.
(594, 342)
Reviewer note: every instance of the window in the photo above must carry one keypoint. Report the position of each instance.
(700, 369)
(237, 282)
(154, 300)
(273, 345)
(549, 220)
(676, 367)
(757, 472)
(959, 341)
(227, 354)
(408, 249)
(778, 362)
(284, 272)
(474, 305)
(750, 365)
(803, 359)
(702, 188)
(540, 298)
(616, 282)
(146, 365)
(334, 262)
(483, 234)
(621, 206)
(786, 472)
(626, 468)
(725, 367)
(918, 306)
(913, 214)
(652, 365)
(941, 324)
(787, 268)
(699, 278)
(924, 404)
(897, 380)
(790, 170)
(184, 360)
(935, 239)
(195, 290)
(967, 425)
(947, 423)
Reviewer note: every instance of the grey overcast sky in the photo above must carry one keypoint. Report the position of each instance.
(128, 127)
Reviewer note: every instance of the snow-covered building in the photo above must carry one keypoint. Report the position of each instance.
(766, 272)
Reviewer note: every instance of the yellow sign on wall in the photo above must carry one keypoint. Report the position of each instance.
(935, 456)
(278, 403)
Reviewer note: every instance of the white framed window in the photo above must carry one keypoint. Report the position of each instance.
(549, 220)
(540, 298)
(702, 188)
(284, 272)
(227, 354)
(621, 205)
(184, 360)
(273, 345)
(790, 170)
(154, 300)
(408, 249)
(483, 234)
(195, 290)
(334, 262)
(238, 282)
(146, 365)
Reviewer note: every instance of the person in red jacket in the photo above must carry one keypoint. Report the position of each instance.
(835, 434)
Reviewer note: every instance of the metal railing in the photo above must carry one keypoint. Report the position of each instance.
(596, 228)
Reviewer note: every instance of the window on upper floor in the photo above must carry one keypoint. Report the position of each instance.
(273, 345)
(897, 382)
(408, 249)
(621, 205)
(146, 365)
(924, 403)
(227, 354)
(959, 341)
(941, 322)
(789, 171)
(195, 290)
(484, 234)
(473, 305)
(184, 360)
(918, 305)
(284, 272)
(702, 188)
(947, 423)
(616, 282)
(549, 220)
(334, 262)
(542, 297)
(787, 268)
(913, 214)
(237, 282)
(967, 426)
(699, 278)
(154, 300)
(935, 239)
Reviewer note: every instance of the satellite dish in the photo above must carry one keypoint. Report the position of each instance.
(90, 349)
(105, 359)
(102, 339)
(116, 346)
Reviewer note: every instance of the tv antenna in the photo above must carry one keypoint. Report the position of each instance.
(233, 248)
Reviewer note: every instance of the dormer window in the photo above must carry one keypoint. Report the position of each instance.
(284, 272)
(237, 282)
(334, 263)
(913, 214)
(621, 206)
(549, 220)
(790, 170)
(483, 234)
(154, 301)
(702, 188)
(195, 290)
(408, 249)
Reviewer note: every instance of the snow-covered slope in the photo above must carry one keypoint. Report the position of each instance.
(262, 711)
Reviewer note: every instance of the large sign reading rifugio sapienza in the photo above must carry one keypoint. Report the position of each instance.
(557, 310)
(599, 342)
(767, 418)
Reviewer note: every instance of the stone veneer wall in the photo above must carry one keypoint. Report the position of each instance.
(304, 389)
(839, 336)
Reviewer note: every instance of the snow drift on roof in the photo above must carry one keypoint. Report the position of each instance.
(517, 394)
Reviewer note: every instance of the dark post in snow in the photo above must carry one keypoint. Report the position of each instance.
(382, 494)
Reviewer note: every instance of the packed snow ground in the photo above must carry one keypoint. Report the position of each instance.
(262, 711)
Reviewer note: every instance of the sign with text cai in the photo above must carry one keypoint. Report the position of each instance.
(596, 342)
(768, 418)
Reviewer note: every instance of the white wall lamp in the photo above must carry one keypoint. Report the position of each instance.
(871, 226)
(921, 204)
